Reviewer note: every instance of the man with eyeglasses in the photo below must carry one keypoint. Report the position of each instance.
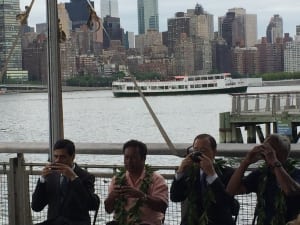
(200, 182)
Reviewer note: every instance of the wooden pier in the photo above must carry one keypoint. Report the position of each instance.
(261, 114)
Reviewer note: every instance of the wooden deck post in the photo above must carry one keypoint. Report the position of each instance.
(251, 134)
(18, 192)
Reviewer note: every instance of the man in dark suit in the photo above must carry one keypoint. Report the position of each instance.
(67, 189)
(200, 182)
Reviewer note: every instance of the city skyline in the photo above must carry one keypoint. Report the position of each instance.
(288, 10)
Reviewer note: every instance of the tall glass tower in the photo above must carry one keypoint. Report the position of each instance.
(109, 8)
(8, 33)
(147, 15)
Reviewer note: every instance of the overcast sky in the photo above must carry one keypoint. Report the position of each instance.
(265, 9)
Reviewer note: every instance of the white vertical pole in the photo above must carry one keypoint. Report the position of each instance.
(54, 78)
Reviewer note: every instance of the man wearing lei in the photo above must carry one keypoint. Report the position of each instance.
(276, 183)
(137, 194)
(200, 182)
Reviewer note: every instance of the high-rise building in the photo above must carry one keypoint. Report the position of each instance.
(113, 31)
(78, 12)
(109, 8)
(147, 15)
(201, 23)
(239, 28)
(64, 20)
(298, 30)
(176, 26)
(292, 56)
(274, 29)
(8, 33)
(270, 56)
(184, 55)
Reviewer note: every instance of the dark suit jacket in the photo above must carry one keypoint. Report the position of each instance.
(219, 213)
(80, 197)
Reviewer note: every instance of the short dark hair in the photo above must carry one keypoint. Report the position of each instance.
(211, 139)
(142, 148)
(65, 144)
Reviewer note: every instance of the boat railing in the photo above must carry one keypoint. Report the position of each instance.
(265, 103)
(18, 179)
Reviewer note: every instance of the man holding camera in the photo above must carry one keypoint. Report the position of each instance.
(276, 182)
(67, 189)
(200, 182)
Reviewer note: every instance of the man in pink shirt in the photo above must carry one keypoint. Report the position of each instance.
(137, 195)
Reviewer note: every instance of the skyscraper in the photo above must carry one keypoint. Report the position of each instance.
(8, 33)
(78, 12)
(109, 8)
(147, 15)
(275, 29)
(239, 28)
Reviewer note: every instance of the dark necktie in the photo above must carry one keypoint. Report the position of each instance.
(203, 182)
(63, 187)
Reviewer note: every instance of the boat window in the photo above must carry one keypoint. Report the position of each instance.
(198, 78)
(192, 86)
(129, 88)
(203, 78)
(153, 87)
(190, 79)
(143, 87)
(174, 87)
(210, 85)
(181, 86)
(204, 85)
(166, 87)
(198, 86)
(211, 78)
(161, 87)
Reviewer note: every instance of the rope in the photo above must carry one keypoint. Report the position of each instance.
(94, 17)
(158, 124)
(23, 20)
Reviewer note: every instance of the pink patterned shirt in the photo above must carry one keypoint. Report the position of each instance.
(158, 188)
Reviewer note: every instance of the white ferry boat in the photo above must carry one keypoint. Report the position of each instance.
(181, 85)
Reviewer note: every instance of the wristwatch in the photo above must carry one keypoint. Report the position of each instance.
(277, 164)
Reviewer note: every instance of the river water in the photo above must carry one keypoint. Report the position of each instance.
(98, 117)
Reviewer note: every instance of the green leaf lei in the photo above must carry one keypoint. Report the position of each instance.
(279, 202)
(132, 216)
(208, 196)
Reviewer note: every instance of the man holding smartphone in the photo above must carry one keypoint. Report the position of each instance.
(200, 182)
(67, 189)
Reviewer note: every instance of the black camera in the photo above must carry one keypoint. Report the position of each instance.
(195, 156)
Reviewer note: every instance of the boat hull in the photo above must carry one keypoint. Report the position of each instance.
(239, 89)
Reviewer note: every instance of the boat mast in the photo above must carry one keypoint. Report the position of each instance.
(54, 78)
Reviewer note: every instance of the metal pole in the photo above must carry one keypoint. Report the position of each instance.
(54, 78)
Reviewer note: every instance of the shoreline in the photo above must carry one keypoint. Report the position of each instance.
(281, 82)
(38, 88)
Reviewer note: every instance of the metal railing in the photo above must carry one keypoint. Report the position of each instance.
(268, 103)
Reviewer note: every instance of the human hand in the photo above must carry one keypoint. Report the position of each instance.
(63, 169)
(269, 154)
(185, 163)
(47, 170)
(206, 164)
(255, 154)
(129, 192)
